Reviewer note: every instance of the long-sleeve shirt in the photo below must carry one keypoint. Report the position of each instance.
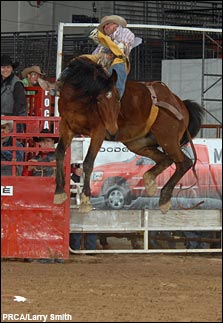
(121, 35)
(44, 170)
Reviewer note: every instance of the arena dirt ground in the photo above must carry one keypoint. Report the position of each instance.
(116, 288)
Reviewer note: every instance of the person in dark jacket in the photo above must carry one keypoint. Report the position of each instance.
(90, 239)
(44, 156)
(13, 99)
(7, 155)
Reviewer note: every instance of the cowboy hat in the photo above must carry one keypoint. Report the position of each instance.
(7, 61)
(112, 19)
(31, 69)
(47, 131)
(9, 122)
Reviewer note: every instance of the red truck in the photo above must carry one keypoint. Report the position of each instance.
(119, 183)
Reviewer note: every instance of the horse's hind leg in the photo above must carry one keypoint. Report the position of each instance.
(183, 164)
(150, 176)
(65, 140)
(148, 148)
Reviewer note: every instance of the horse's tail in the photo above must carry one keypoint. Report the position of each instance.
(195, 118)
(196, 113)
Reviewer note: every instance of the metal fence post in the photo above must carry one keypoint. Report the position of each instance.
(146, 219)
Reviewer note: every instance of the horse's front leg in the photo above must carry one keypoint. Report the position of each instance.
(95, 145)
(60, 196)
(64, 142)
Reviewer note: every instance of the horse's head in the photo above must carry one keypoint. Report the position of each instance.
(109, 107)
(92, 84)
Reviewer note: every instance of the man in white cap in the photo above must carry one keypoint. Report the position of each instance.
(115, 43)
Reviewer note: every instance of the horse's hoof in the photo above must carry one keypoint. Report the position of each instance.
(59, 198)
(150, 184)
(85, 208)
(165, 207)
(85, 199)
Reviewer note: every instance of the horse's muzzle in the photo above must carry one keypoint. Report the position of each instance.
(113, 136)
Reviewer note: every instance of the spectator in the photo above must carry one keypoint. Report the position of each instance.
(90, 242)
(7, 155)
(195, 244)
(13, 99)
(44, 156)
(77, 172)
(156, 244)
(31, 77)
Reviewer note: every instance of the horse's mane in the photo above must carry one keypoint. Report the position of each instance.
(86, 76)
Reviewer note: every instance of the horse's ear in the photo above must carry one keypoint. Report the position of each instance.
(114, 76)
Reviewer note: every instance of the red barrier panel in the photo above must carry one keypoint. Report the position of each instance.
(32, 225)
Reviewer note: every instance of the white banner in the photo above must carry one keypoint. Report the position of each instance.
(111, 151)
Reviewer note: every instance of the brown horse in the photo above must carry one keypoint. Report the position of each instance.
(152, 122)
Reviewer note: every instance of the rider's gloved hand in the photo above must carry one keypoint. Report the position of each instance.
(94, 36)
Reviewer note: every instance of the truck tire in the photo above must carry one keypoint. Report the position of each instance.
(116, 197)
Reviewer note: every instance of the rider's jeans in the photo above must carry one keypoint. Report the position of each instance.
(122, 77)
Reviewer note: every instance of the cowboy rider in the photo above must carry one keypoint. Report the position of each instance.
(115, 43)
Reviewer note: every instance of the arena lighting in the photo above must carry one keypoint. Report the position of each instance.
(37, 5)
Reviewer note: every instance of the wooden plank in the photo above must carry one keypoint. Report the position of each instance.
(102, 220)
(185, 220)
(133, 220)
